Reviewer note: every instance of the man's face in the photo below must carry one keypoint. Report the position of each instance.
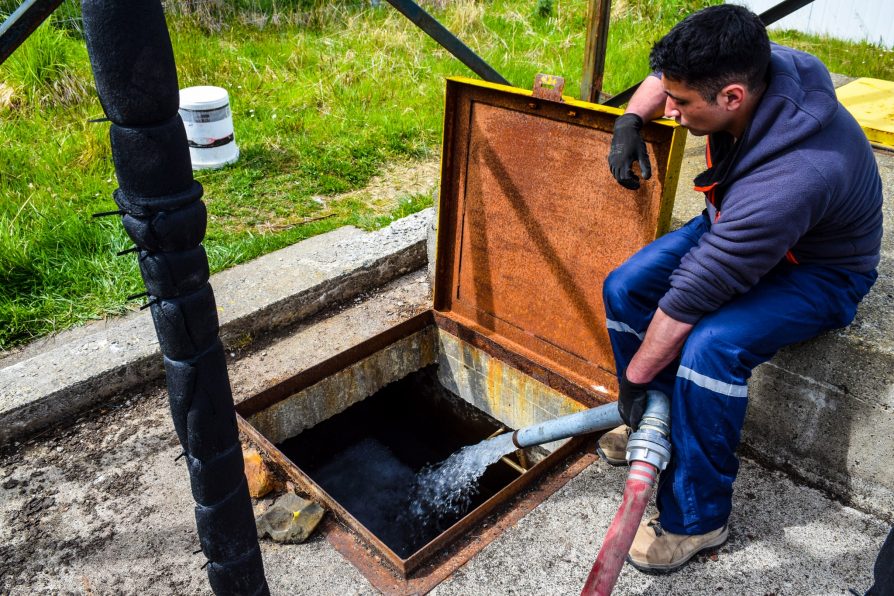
(687, 106)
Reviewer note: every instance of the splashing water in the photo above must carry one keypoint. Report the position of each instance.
(445, 490)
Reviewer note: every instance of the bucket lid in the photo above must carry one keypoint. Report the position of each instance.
(531, 222)
(203, 97)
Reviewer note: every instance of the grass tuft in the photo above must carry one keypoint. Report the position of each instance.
(42, 72)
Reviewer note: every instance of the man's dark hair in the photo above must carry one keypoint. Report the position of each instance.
(714, 47)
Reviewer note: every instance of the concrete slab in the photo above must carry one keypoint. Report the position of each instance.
(784, 539)
(103, 506)
(44, 385)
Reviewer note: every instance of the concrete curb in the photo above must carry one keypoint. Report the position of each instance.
(269, 293)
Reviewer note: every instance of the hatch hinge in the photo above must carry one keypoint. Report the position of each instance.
(549, 87)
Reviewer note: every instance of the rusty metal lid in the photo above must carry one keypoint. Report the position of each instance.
(531, 221)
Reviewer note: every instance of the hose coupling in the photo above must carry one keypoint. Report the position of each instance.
(649, 446)
(656, 424)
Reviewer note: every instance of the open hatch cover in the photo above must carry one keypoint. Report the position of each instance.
(531, 222)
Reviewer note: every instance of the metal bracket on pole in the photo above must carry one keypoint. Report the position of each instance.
(782, 10)
(768, 17)
(448, 40)
(22, 22)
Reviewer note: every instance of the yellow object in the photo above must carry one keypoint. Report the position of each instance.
(871, 101)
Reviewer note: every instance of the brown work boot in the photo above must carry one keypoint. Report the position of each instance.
(657, 550)
(612, 446)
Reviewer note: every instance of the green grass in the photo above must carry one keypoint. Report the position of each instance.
(322, 97)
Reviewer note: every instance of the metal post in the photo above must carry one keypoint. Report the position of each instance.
(598, 17)
(22, 23)
(782, 10)
(768, 17)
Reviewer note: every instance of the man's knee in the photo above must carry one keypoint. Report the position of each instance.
(700, 343)
(616, 290)
(712, 359)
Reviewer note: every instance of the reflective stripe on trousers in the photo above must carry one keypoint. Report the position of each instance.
(708, 382)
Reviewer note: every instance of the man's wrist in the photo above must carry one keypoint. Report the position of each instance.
(636, 377)
(630, 118)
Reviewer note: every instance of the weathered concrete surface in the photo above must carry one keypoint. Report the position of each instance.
(501, 391)
(104, 507)
(336, 393)
(41, 387)
(327, 334)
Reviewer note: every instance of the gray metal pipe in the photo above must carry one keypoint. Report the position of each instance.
(580, 423)
(656, 417)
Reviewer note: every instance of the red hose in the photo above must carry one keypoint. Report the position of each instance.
(605, 571)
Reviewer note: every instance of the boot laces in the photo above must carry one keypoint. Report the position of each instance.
(656, 527)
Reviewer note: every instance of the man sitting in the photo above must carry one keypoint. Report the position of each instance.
(786, 248)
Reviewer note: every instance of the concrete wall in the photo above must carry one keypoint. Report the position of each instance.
(510, 396)
(492, 386)
(824, 411)
(338, 392)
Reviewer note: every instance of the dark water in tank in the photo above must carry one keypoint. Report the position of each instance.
(368, 458)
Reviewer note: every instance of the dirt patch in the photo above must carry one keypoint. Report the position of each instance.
(71, 498)
(396, 181)
(384, 192)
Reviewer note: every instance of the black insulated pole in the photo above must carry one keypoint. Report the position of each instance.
(448, 40)
(136, 78)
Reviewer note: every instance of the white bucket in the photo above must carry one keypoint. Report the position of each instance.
(209, 126)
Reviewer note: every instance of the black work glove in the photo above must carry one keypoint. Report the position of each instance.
(631, 401)
(627, 147)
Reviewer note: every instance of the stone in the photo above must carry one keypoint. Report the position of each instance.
(260, 482)
(290, 520)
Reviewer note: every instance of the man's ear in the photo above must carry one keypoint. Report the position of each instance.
(732, 96)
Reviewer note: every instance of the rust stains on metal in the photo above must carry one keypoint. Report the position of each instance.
(352, 384)
(318, 372)
(569, 382)
(316, 493)
(548, 87)
(530, 223)
(400, 565)
(449, 559)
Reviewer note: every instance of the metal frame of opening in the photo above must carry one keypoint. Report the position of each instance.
(444, 545)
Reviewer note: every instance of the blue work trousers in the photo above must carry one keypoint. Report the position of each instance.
(708, 382)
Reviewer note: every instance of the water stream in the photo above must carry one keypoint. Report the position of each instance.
(407, 509)
(445, 490)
